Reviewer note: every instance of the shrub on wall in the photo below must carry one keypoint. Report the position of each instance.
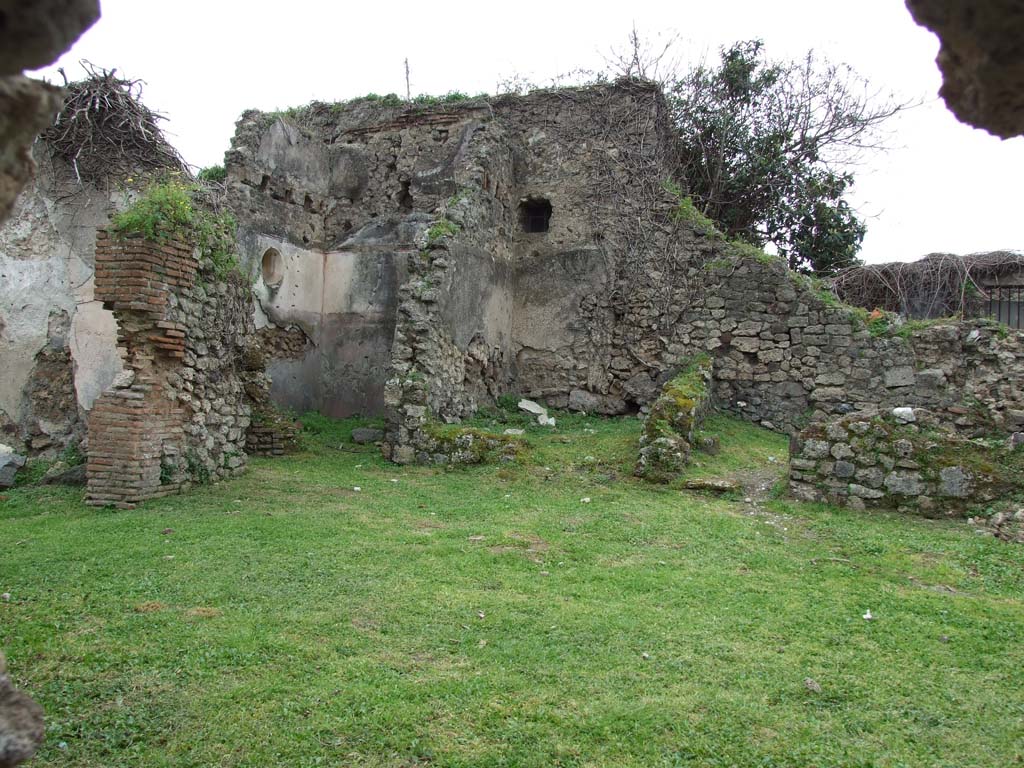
(168, 210)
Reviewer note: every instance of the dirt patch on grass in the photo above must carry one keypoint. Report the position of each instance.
(528, 544)
(534, 543)
(365, 623)
(203, 613)
(150, 606)
(427, 524)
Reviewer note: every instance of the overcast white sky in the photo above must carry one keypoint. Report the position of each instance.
(945, 186)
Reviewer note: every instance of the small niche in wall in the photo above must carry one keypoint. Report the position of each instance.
(535, 214)
(404, 197)
(272, 267)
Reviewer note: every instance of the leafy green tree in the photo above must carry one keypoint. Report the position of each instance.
(767, 147)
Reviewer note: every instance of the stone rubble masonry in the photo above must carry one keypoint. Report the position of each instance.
(283, 343)
(786, 355)
(873, 459)
(592, 314)
(180, 413)
(669, 431)
(21, 722)
(981, 60)
(267, 441)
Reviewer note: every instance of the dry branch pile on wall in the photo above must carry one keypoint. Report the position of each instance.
(939, 285)
(105, 131)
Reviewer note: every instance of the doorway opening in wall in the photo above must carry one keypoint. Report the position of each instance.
(535, 214)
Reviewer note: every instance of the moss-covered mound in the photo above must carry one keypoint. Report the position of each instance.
(454, 444)
(668, 433)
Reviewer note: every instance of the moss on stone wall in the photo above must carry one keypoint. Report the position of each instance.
(877, 460)
(668, 433)
(455, 444)
(169, 210)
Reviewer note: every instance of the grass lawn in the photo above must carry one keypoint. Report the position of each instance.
(490, 617)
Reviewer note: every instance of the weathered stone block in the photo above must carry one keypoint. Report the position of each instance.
(956, 482)
(904, 483)
(900, 376)
(844, 469)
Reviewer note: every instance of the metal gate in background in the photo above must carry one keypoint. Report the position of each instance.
(1005, 304)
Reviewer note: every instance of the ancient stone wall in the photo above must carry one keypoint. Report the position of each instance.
(180, 412)
(902, 460)
(786, 354)
(503, 303)
(337, 199)
(536, 246)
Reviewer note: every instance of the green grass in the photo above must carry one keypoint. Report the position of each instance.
(489, 617)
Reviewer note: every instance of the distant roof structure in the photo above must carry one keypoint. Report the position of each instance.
(937, 285)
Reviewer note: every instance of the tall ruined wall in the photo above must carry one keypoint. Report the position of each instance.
(601, 155)
(341, 200)
(502, 304)
(57, 343)
(180, 412)
(615, 316)
(592, 307)
(316, 230)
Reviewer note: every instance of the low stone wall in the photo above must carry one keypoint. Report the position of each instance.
(668, 433)
(787, 354)
(267, 441)
(452, 444)
(902, 460)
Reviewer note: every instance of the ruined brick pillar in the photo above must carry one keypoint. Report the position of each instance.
(136, 428)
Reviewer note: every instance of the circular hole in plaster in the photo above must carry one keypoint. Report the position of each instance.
(272, 267)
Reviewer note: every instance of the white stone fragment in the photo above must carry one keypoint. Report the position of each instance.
(906, 415)
(531, 407)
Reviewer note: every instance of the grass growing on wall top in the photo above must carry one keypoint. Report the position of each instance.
(487, 616)
(167, 210)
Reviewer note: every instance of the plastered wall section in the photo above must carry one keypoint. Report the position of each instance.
(47, 257)
(345, 303)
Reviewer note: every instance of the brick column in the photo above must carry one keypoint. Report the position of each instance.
(136, 425)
